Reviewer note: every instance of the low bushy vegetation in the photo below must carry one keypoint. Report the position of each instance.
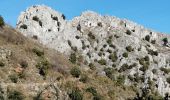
(38, 52)
(93, 91)
(120, 80)
(75, 72)
(113, 57)
(13, 78)
(2, 64)
(83, 78)
(152, 52)
(15, 95)
(91, 36)
(76, 94)
(165, 40)
(165, 70)
(129, 48)
(23, 64)
(125, 54)
(147, 38)
(92, 66)
(168, 80)
(110, 73)
(23, 26)
(102, 62)
(43, 67)
(73, 58)
(2, 23)
(128, 32)
(63, 16)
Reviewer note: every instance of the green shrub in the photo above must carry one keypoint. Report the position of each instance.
(112, 46)
(142, 61)
(75, 72)
(165, 70)
(92, 66)
(24, 64)
(23, 26)
(43, 67)
(2, 23)
(147, 38)
(76, 95)
(136, 77)
(151, 52)
(110, 73)
(130, 77)
(91, 36)
(63, 16)
(13, 78)
(73, 58)
(153, 41)
(132, 65)
(74, 48)
(146, 58)
(109, 51)
(124, 67)
(168, 80)
(102, 62)
(99, 24)
(109, 41)
(69, 43)
(128, 32)
(100, 54)
(2, 64)
(40, 23)
(110, 37)
(116, 36)
(38, 52)
(35, 18)
(97, 97)
(15, 95)
(104, 46)
(92, 90)
(120, 80)
(129, 48)
(79, 27)
(165, 40)
(125, 54)
(113, 57)
(154, 71)
(83, 78)
(144, 67)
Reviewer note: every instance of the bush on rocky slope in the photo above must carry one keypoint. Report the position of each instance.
(2, 23)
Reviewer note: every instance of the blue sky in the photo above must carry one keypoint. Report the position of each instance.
(153, 14)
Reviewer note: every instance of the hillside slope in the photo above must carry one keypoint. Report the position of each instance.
(30, 71)
(117, 47)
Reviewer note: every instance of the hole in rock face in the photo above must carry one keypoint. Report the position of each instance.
(77, 37)
(40, 23)
(49, 30)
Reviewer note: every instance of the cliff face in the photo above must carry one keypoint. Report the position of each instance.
(139, 54)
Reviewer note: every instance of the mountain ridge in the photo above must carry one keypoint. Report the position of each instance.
(103, 40)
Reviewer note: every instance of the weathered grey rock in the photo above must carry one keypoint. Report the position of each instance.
(88, 35)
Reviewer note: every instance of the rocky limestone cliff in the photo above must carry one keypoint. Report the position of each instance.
(106, 41)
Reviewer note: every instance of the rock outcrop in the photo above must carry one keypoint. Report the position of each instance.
(140, 54)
